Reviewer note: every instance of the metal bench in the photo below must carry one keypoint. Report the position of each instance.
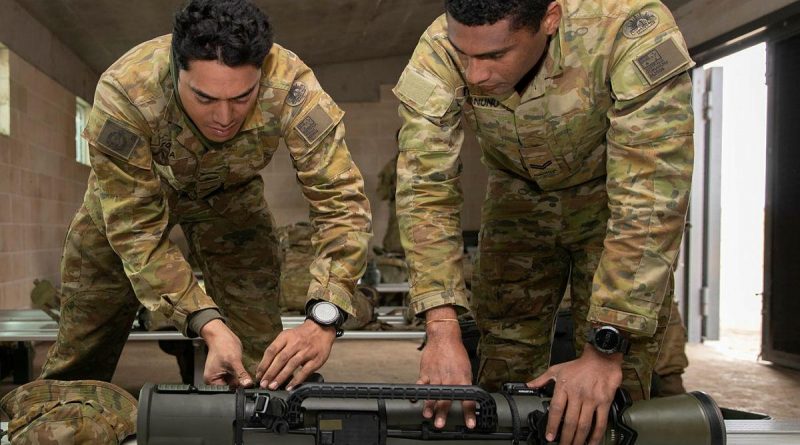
(27, 325)
(739, 432)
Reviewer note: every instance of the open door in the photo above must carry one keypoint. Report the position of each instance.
(697, 274)
(781, 329)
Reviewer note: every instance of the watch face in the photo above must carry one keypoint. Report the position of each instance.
(606, 339)
(325, 313)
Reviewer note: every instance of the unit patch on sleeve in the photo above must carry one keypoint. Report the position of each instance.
(297, 94)
(662, 61)
(118, 139)
(314, 125)
(639, 24)
(416, 87)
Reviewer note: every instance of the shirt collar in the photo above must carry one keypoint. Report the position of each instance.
(552, 66)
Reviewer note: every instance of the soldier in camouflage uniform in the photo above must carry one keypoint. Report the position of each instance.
(672, 360)
(180, 128)
(582, 110)
(69, 413)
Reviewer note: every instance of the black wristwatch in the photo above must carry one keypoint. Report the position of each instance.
(325, 313)
(608, 340)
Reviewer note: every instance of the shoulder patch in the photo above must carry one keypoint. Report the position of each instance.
(639, 24)
(297, 94)
(416, 87)
(118, 139)
(662, 61)
(314, 125)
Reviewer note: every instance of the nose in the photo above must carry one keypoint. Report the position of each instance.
(477, 72)
(223, 114)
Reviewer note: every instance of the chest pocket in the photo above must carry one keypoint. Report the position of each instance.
(493, 121)
(576, 118)
(581, 138)
(246, 157)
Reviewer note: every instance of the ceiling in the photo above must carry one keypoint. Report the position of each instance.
(319, 31)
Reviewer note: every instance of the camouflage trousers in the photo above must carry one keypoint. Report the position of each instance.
(533, 244)
(232, 242)
(672, 360)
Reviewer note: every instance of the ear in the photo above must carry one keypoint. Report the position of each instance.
(552, 18)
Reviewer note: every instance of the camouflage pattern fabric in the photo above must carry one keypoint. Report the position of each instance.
(607, 116)
(672, 360)
(365, 300)
(150, 171)
(297, 255)
(533, 245)
(393, 268)
(84, 412)
(596, 109)
(387, 185)
(46, 297)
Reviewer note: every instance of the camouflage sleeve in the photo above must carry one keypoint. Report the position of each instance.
(649, 165)
(387, 180)
(134, 209)
(429, 196)
(334, 190)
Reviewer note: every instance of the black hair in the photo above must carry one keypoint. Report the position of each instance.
(234, 32)
(523, 13)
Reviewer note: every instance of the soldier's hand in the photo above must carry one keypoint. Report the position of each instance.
(224, 361)
(445, 361)
(307, 346)
(584, 391)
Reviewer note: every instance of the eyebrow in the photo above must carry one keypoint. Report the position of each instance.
(487, 54)
(209, 97)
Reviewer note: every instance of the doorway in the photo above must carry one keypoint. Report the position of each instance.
(742, 199)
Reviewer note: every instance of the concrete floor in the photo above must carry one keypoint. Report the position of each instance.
(729, 371)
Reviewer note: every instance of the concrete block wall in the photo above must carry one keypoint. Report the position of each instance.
(41, 184)
(371, 128)
(5, 91)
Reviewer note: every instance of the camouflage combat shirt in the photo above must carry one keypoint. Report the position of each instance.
(612, 98)
(142, 150)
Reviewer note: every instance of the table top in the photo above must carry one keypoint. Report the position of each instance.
(35, 325)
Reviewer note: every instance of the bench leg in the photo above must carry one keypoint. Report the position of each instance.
(200, 354)
(23, 362)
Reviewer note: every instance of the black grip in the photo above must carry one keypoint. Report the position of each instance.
(486, 421)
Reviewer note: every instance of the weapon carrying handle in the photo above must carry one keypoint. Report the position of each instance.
(486, 421)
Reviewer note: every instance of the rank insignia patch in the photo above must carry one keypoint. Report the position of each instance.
(297, 94)
(118, 139)
(639, 24)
